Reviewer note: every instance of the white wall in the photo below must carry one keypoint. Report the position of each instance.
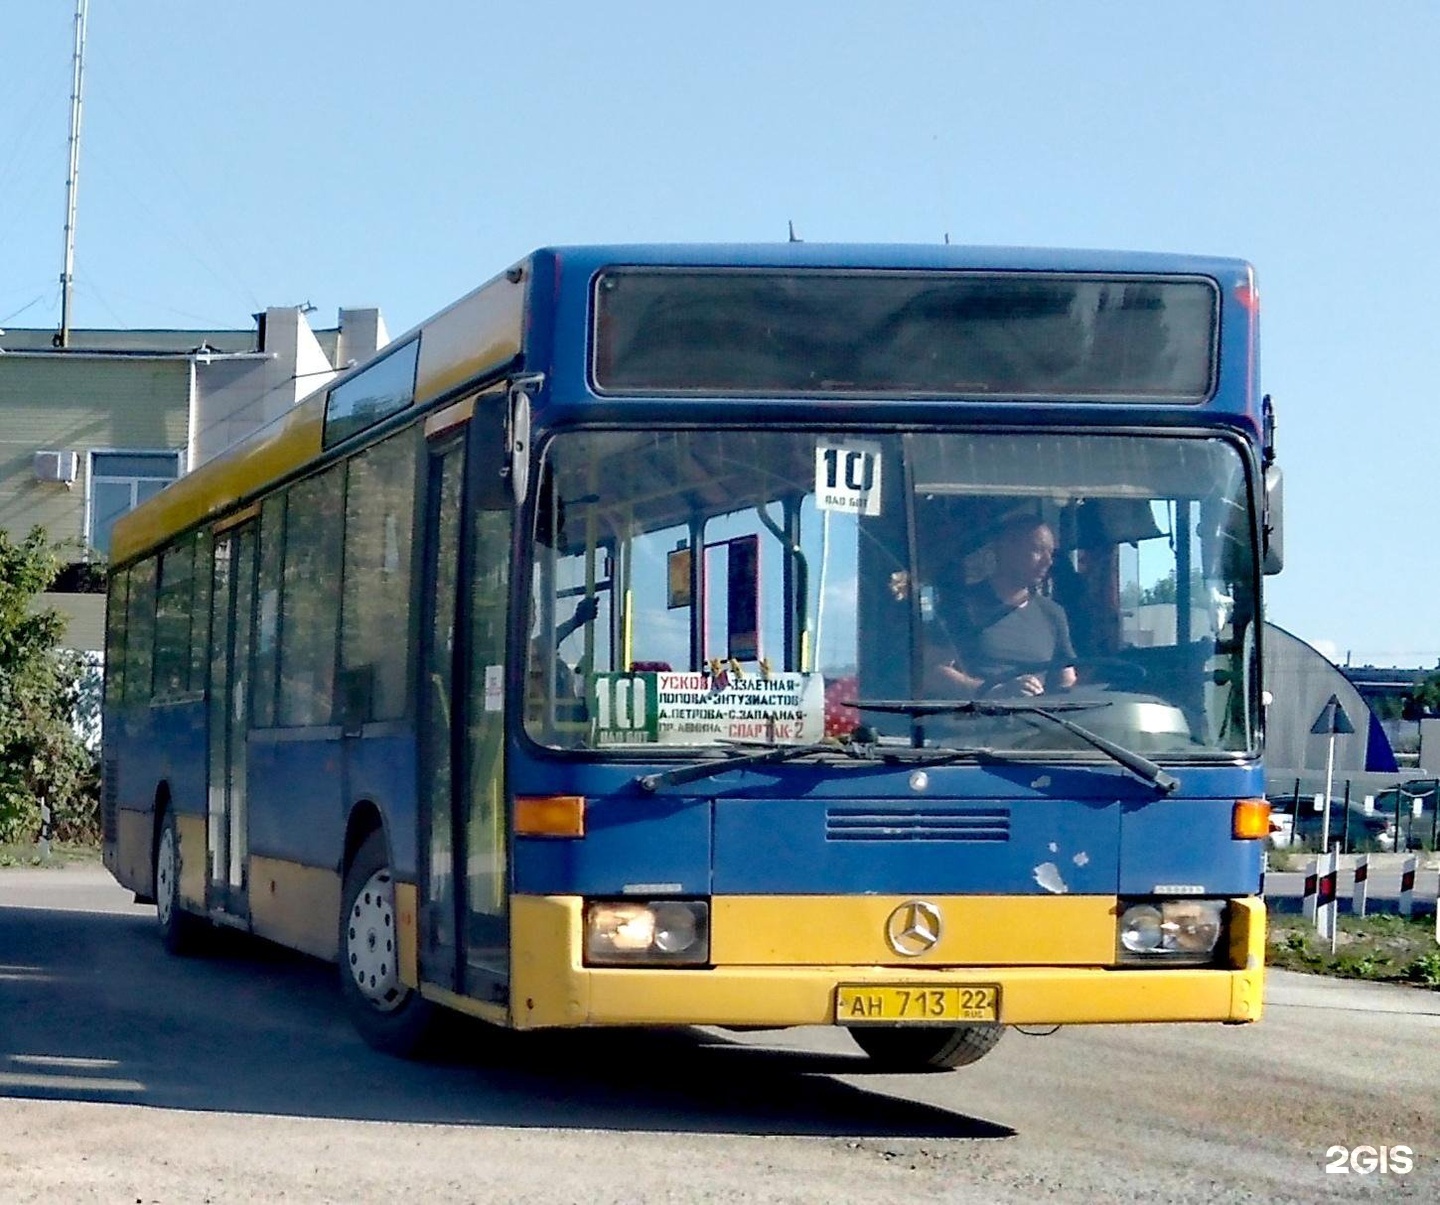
(236, 395)
(1429, 748)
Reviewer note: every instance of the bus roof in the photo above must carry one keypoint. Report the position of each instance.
(485, 331)
(480, 333)
(916, 256)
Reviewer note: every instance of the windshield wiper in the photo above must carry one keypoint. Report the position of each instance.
(735, 760)
(923, 707)
(1141, 767)
(866, 745)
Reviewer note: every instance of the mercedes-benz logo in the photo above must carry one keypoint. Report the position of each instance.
(913, 928)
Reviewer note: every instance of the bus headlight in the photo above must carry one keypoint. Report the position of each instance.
(1170, 931)
(668, 932)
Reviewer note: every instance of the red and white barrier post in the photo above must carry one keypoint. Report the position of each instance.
(1326, 903)
(1361, 891)
(1407, 886)
(1312, 888)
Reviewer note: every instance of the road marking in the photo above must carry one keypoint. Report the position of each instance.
(69, 1083)
(56, 1060)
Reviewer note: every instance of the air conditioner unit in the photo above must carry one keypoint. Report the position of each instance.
(59, 467)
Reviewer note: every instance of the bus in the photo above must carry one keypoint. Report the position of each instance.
(577, 660)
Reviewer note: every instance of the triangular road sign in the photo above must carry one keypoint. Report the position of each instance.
(1332, 720)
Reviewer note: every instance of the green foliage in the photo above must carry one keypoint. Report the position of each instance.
(41, 754)
(1369, 964)
(1163, 591)
(61, 853)
(1425, 969)
(1386, 707)
(1426, 693)
(1387, 947)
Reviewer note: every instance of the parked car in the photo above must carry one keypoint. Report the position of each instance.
(1365, 832)
(1282, 830)
(1417, 829)
(1406, 793)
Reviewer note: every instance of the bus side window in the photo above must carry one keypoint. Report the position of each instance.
(115, 637)
(379, 514)
(310, 600)
(200, 613)
(267, 612)
(174, 596)
(140, 633)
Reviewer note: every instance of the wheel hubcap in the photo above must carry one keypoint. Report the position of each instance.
(370, 943)
(165, 877)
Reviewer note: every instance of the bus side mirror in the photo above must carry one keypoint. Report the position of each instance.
(1273, 523)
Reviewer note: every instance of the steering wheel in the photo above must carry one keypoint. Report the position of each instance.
(1111, 673)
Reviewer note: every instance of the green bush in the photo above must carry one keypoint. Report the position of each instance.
(1385, 947)
(1425, 969)
(41, 688)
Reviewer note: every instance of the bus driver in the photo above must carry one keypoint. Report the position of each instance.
(1012, 640)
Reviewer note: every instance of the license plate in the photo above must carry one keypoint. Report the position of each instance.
(885, 1004)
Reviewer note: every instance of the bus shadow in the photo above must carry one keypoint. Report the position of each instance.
(92, 1009)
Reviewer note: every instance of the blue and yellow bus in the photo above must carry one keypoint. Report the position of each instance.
(605, 652)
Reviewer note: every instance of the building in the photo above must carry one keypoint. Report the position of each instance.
(89, 431)
(1389, 691)
(1300, 681)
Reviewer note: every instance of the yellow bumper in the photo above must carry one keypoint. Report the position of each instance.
(550, 987)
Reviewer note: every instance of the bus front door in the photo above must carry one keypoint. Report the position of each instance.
(464, 944)
(231, 624)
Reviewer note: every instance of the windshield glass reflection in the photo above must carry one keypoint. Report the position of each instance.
(696, 588)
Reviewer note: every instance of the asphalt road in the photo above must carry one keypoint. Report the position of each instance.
(129, 1076)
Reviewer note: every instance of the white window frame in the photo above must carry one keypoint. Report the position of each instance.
(92, 479)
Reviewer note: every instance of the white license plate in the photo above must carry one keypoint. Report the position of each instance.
(888, 1004)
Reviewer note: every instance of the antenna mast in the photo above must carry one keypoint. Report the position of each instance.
(68, 275)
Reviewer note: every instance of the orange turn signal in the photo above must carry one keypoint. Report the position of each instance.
(550, 815)
(1250, 820)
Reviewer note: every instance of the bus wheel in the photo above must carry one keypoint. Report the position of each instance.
(927, 1049)
(181, 932)
(390, 1016)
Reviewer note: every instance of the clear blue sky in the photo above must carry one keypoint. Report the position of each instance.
(365, 153)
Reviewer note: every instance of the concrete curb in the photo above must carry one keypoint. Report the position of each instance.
(1294, 989)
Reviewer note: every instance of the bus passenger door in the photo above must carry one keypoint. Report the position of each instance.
(483, 818)
(465, 587)
(231, 624)
(439, 941)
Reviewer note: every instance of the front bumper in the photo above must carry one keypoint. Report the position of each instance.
(551, 987)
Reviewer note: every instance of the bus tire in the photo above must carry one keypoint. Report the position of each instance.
(927, 1048)
(391, 1017)
(181, 932)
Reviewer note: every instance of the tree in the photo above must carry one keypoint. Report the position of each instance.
(1426, 694)
(41, 753)
(1160, 592)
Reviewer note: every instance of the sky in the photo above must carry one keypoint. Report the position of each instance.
(360, 153)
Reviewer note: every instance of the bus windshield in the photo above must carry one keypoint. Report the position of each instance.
(693, 589)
